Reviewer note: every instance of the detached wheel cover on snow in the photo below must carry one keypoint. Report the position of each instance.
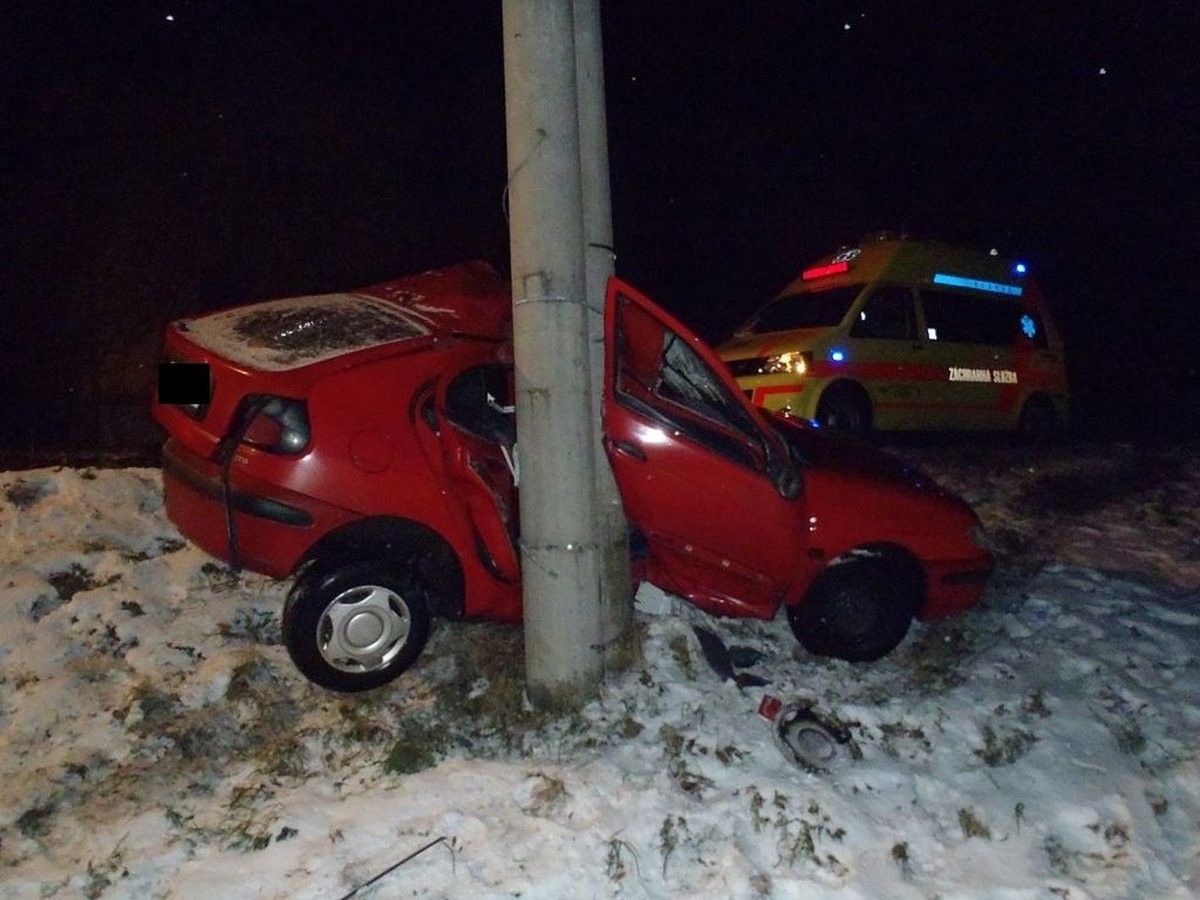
(857, 610)
(355, 628)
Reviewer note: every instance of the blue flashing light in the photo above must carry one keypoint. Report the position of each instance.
(976, 284)
(1028, 326)
(837, 355)
(1020, 269)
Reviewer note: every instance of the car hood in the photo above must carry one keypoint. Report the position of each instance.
(838, 454)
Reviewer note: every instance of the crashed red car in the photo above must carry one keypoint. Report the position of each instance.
(364, 443)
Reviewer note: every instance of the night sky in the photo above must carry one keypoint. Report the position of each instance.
(162, 158)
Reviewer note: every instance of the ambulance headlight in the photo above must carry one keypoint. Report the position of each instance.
(791, 363)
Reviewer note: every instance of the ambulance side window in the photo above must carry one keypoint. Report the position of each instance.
(965, 318)
(886, 315)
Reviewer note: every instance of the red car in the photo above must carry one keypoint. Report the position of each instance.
(365, 444)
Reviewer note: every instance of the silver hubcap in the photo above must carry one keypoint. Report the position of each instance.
(363, 629)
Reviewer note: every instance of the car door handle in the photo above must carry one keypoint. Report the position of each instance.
(628, 449)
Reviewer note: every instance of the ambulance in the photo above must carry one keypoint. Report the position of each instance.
(901, 335)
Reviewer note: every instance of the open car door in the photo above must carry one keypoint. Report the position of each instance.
(702, 476)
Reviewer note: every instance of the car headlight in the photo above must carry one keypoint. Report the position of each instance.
(791, 363)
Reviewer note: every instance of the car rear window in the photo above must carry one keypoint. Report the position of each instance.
(299, 331)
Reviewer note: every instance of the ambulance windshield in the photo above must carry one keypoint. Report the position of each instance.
(822, 309)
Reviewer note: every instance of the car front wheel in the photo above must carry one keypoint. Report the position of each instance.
(859, 609)
(355, 627)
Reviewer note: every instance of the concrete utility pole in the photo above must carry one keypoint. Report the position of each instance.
(560, 547)
(616, 601)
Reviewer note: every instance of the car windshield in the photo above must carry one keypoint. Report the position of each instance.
(823, 309)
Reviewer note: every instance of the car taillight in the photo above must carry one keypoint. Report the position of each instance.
(279, 426)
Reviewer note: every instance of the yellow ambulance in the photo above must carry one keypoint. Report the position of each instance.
(898, 334)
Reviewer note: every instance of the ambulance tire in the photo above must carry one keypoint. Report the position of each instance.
(846, 409)
(1037, 424)
(858, 610)
(355, 627)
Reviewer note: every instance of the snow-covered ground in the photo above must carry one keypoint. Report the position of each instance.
(155, 740)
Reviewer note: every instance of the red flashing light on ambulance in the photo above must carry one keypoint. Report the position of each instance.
(824, 271)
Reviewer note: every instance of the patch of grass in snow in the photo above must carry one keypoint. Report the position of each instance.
(681, 651)
(668, 838)
(902, 739)
(247, 824)
(546, 795)
(757, 819)
(1004, 751)
(259, 626)
(675, 746)
(418, 745)
(76, 579)
(104, 874)
(484, 698)
(36, 822)
(972, 826)
(1035, 704)
(149, 710)
(219, 578)
(629, 727)
(19, 680)
(614, 861)
(800, 834)
(24, 493)
(935, 659)
(1121, 719)
(66, 583)
(360, 718)
(627, 652)
(262, 697)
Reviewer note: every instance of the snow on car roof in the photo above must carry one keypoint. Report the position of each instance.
(300, 331)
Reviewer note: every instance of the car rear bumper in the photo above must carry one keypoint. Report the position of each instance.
(274, 527)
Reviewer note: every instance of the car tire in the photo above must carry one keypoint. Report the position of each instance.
(845, 408)
(1037, 423)
(355, 627)
(857, 610)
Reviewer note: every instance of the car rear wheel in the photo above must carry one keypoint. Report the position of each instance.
(845, 408)
(355, 627)
(858, 610)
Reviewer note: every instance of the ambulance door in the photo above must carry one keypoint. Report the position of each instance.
(887, 357)
(969, 339)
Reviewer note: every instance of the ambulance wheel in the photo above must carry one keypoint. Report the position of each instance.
(355, 627)
(858, 610)
(845, 408)
(1037, 423)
